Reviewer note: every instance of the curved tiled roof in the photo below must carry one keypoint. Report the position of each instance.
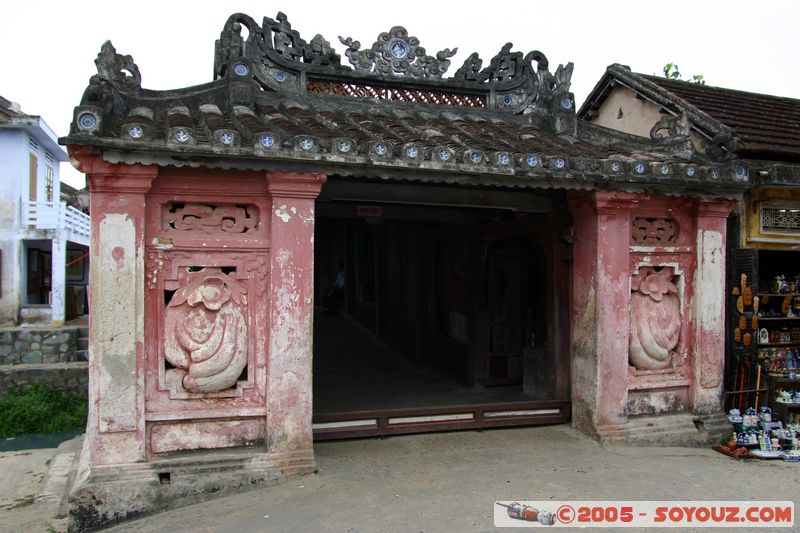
(279, 102)
(764, 124)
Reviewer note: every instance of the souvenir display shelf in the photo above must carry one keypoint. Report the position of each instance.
(764, 324)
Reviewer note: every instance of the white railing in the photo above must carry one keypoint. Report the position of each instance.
(77, 222)
(57, 215)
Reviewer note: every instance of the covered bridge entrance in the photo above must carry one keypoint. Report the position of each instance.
(450, 316)
(501, 263)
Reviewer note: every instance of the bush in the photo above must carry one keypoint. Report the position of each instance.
(41, 410)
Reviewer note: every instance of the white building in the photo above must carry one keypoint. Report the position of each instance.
(43, 242)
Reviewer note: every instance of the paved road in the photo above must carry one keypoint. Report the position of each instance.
(445, 482)
(22, 476)
(22, 473)
(448, 482)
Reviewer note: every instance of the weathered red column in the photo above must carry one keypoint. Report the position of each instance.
(291, 311)
(601, 290)
(115, 429)
(709, 309)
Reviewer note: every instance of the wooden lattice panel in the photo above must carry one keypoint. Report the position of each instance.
(398, 94)
(780, 219)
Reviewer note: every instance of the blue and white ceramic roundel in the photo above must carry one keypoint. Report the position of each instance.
(532, 161)
(267, 140)
(412, 151)
(136, 131)
(182, 135)
(639, 168)
(560, 162)
(398, 49)
(87, 121)
(280, 76)
(566, 103)
(444, 154)
(475, 157)
(504, 159)
(241, 69)
(381, 149)
(344, 146)
(507, 100)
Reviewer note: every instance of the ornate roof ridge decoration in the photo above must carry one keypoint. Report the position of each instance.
(118, 68)
(395, 53)
(671, 129)
(511, 123)
(395, 67)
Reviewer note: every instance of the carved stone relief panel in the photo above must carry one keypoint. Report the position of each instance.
(209, 219)
(255, 265)
(655, 318)
(206, 332)
(205, 311)
(654, 231)
(206, 296)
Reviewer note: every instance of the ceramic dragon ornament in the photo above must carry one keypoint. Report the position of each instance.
(206, 332)
(655, 318)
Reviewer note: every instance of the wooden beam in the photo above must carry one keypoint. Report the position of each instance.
(399, 212)
(522, 201)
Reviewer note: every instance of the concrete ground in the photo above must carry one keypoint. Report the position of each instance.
(22, 475)
(22, 478)
(449, 481)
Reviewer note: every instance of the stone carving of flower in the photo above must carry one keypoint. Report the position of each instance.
(655, 319)
(654, 284)
(212, 293)
(206, 331)
(214, 290)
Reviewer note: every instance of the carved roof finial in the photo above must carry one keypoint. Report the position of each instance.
(115, 67)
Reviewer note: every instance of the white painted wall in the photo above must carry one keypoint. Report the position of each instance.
(622, 111)
(15, 151)
(13, 176)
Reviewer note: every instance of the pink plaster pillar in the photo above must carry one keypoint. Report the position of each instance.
(115, 429)
(289, 393)
(601, 293)
(709, 308)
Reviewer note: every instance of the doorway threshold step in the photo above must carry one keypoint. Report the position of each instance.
(374, 423)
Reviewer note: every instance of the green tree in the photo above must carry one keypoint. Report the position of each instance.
(672, 72)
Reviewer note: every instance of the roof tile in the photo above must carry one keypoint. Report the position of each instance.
(762, 122)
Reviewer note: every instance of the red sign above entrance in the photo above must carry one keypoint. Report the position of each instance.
(369, 210)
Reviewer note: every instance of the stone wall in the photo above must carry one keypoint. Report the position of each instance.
(37, 346)
(52, 357)
(62, 377)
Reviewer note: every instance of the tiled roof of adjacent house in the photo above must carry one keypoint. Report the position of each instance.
(761, 128)
(9, 111)
(279, 102)
(764, 124)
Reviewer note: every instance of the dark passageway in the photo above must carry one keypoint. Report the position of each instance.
(353, 372)
(440, 305)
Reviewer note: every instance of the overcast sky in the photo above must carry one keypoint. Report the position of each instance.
(47, 48)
